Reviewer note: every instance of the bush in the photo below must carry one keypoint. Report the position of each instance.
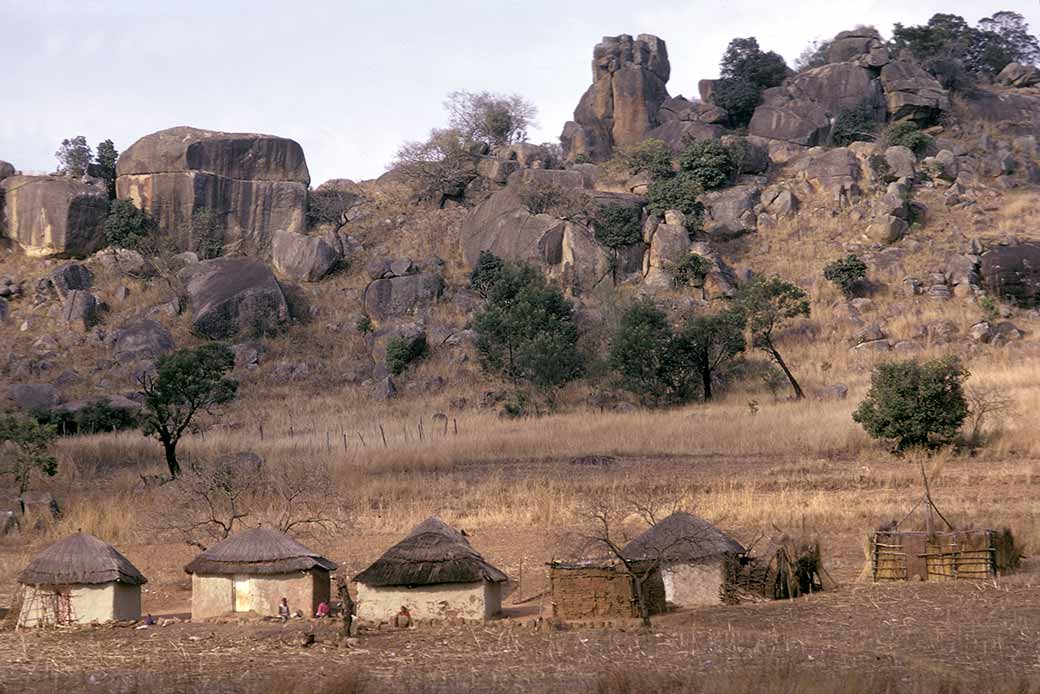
(485, 273)
(691, 270)
(746, 72)
(439, 168)
(739, 98)
(880, 168)
(915, 405)
(679, 192)
(495, 119)
(126, 226)
(619, 225)
(204, 233)
(653, 157)
(908, 134)
(97, 417)
(402, 352)
(543, 197)
(328, 207)
(709, 162)
(846, 273)
(858, 124)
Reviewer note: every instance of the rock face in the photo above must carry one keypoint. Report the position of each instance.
(33, 396)
(729, 213)
(1013, 273)
(566, 251)
(304, 258)
(6, 170)
(911, 93)
(620, 108)
(1019, 75)
(54, 216)
(255, 184)
(80, 309)
(852, 44)
(234, 296)
(144, 339)
(801, 110)
(394, 297)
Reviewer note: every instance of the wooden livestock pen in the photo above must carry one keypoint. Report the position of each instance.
(939, 555)
(911, 555)
(603, 589)
(785, 568)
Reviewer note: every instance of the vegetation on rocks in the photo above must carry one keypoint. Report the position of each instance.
(679, 192)
(709, 162)
(127, 226)
(746, 72)
(490, 118)
(847, 273)
(74, 156)
(857, 124)
(25, 449)
(908, 134)
(651, 156)
(402, 352)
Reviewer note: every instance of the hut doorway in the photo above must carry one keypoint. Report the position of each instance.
(243, 594)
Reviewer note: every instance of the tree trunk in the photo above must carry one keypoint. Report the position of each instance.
(706, 382)
(787, 372)
(644, 611)
(170, 449)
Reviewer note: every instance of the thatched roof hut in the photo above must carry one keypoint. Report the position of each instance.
(257, 551)
(434, 573)
(79, 580)
(682, 538)
(432, 553)
(80, 559)
(253, 570)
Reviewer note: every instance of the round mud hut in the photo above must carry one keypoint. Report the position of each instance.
(434, 573)
(79, 580)
(693, 555)
(252, 571)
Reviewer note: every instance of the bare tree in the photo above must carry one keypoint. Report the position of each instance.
(438, 169)
(303, 494)
(496, 119)
(986, 405)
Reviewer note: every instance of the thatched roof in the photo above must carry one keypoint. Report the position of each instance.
(80, 559)
(682, 537)
(257, 551)
(432, 553)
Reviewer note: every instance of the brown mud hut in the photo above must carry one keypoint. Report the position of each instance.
(943, 554)
(79, 580)
(693, 556)
(604, 589)
(433, 572)
(252, 571)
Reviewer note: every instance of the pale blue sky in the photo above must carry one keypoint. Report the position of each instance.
(351, 80)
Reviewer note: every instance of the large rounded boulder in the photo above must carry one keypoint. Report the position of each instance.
(233, 297)
(1013, 273)
(253, 184)
(54, 216)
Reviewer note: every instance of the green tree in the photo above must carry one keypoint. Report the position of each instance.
(74, 156)
(402, 352)
(653, 157)
(846, 272)
(680, 192)
(708, 162)
(915, 404)
(857, 124)
(690, 271)
(746, 72)
(485, 273)
(713, 341)
(526, 331)
(618, 226)
(185, 383)
(908, 134)
(127, 226)
(105, 159)
(650, 360)
(25, 448)
(739, 98)
(766, 304)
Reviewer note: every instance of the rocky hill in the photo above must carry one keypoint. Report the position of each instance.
(309, 301)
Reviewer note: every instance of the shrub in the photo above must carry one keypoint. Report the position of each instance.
(653, 157)
(679, 192)
(746, 72)
(915, 404)
(617, 226)
(496, 119)
(364, 325)
(204, 233)
(880, 168)
(709, 162)
(30, 444)
(544, 197)
(126, 226)
(909, 135)
(648, 360)
(812, 56)
(857, 124)
(96, 417)
(105, 159)
(691, 270)
(485, 273)
(739, 98)
(328, 207)
(439, 168)
(846, 272)
(402, 352)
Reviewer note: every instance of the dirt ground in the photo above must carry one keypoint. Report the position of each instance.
(911, 637)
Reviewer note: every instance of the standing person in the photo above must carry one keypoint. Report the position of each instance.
(346, 604)
(283, 610)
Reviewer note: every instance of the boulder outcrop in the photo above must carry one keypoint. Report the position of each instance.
(234, 296)
(911, 93)
(54, 216)
(143, 339)
(398, 296)
(303, 258)
(849, 45)
(621, 106)
(254, 184)
(1013, 273)
(1019, 75)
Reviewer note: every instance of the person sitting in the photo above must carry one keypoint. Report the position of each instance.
(283, 610)
(323, 610)
(403, 619)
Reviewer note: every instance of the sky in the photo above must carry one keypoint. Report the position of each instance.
(350, 80)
